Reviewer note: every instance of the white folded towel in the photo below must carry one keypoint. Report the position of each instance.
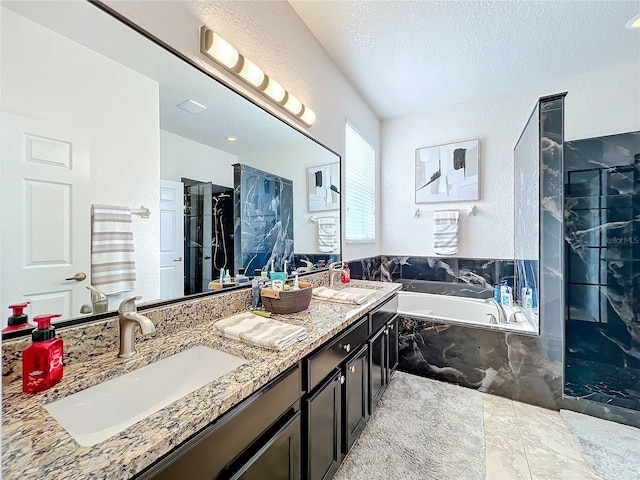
(445, 232)
(327, 241)
(260, 331)
(113, 269)
(325, 293)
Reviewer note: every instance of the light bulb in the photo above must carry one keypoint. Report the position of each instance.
(274, 90)
(293, 105)
(308, 116)
(251, 73)
(219, 49)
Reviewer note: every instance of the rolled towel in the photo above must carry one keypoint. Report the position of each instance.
(260, 331)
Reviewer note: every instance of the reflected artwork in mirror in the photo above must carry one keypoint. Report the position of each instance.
(102, 114)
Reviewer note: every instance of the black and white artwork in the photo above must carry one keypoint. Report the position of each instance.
(324, 187)
(447, 173)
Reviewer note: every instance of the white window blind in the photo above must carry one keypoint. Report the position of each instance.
(360, 195)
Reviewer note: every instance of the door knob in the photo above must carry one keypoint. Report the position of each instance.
(352, 368)
(347, 347)
(342, 379)
(207, 257)
(179, 259)
(78, 277)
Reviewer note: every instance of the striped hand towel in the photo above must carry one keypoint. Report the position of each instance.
(327, 234)
(260, 331)
(445, 232)
(113, 269)
(325, 293)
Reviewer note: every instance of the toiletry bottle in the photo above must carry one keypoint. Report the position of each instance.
(496, 294)
(296, 285)
(506, 295)
(256, 300)
(345, 276)
(18, 320)
(527, 296)
(241, 278)
(42, 360)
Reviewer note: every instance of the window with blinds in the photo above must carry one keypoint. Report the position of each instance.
(360, 195)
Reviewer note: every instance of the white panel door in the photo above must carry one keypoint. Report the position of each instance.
(45, 181)
(171, 239)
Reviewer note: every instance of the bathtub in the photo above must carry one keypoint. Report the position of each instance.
(473, 312)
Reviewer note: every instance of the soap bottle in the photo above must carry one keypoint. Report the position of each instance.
(345, 276)
(256, 300)
(42, 361)
(241, 278)
(506, 295)
(497, 296)
(19, 319)
(527, 296)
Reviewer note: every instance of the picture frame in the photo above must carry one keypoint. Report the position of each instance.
(447, 173)
(324, 187)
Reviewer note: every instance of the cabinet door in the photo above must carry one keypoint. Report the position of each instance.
(392, 350)
(324, 428)
(356, 396)
(377, 367)
(278, 459)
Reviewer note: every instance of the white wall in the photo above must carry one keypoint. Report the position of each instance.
(598, 103)
(182, 157)
(291, 162)
(50, 78)
(275, 38)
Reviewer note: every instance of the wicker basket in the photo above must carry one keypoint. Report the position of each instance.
(288, 301)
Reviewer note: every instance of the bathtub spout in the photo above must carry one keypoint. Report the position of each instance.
(502, 315)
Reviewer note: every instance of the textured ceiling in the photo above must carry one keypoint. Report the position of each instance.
(409, 56)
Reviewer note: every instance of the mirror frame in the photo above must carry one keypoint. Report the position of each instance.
(93, 318)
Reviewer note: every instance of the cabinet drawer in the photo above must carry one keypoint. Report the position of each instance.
(383, 313)
(321, 363)
(213, 448)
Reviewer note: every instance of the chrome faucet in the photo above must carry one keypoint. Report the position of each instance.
(502, 315)
(333, 271)
(129, 318)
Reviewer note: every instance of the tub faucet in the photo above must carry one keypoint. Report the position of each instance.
(502, 315)
(129, 318)
(333, 271)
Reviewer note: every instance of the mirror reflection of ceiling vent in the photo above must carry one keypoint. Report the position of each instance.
(191, 106)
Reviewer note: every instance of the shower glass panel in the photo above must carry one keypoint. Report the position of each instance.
(527, 215)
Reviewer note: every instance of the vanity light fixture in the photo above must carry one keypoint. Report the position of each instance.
(634, 22)
(222, 52)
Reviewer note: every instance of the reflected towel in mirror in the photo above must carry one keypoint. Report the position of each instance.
(113, 268)
(327, 234)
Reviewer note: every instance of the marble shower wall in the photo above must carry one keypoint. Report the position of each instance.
(602, 233)
(263, 206)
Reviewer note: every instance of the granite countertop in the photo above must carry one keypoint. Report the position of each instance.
(35, 446)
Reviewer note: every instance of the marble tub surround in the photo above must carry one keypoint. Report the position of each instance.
(504, 364)
(474, 277)
(35, 446)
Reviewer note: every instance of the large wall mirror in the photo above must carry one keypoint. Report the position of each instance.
(94, 116)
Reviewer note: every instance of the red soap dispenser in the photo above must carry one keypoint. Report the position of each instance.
(19, 319)
(42, 360)
(345, 277)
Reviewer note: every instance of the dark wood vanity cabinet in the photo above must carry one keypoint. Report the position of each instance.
(259, 432)
(356, 396)
(383, 346)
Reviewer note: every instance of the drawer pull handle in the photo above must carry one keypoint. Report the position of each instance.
(342, 379)
(347, 347)
(352, 368)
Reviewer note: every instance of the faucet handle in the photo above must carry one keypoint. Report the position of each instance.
(335, 265)
(129, 305)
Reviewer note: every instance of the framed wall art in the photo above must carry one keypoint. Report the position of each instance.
(447, 173)
(324, 187)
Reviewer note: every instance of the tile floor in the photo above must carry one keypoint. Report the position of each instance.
(527, 442)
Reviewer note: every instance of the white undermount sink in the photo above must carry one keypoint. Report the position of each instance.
(101, 411)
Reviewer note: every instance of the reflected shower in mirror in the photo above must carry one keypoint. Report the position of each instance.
(92, 113)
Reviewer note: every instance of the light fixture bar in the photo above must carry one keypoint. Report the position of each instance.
(634, 22)
(222, 52)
